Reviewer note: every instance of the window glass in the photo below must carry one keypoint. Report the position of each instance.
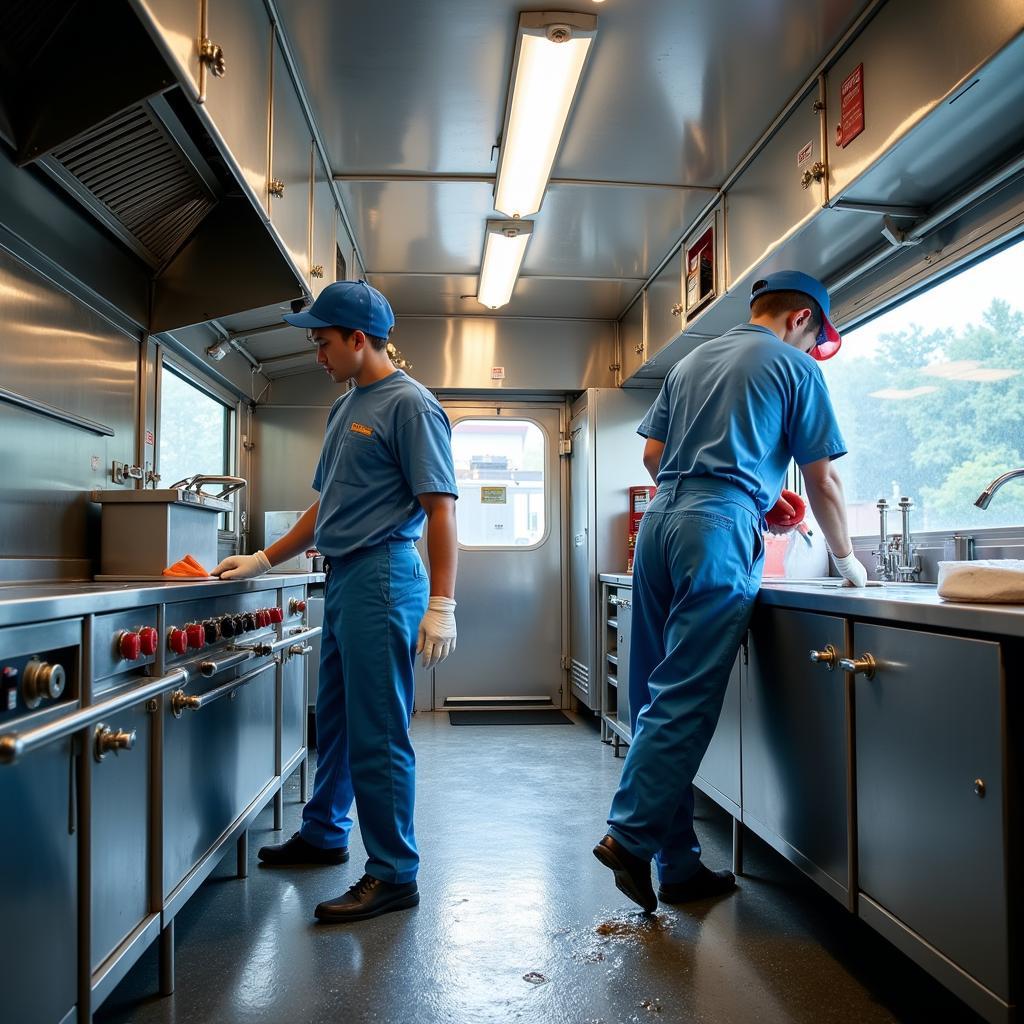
(930, 398)
(499, 467)
(195, 431)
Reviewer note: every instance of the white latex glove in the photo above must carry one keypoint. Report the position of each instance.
(242, 567)
(437, 631)
(851, 570)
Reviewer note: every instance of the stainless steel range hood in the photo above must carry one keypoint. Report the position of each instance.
(91, 102)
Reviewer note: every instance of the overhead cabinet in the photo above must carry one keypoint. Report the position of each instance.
(633, 344)
(238, 101)
(664, 313)
(719, 773)
(291, 168)
(323, 245)
(179, 24)
(781, 189)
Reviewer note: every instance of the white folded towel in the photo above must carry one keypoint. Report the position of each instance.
(986, 580)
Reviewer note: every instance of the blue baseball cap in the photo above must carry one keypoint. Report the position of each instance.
(351, 304)
(828, 340)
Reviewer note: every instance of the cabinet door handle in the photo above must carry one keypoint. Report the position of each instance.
(829, 657)
(276, 188)
(213, 57)
(865, 665)
(677, 309)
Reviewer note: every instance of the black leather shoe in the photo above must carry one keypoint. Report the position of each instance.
(704, 885)
(369, 897)
(297, 851)
(632, 875)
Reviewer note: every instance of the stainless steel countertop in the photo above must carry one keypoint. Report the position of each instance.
(39, 602)
(906, 604)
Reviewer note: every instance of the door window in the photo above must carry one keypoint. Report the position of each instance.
(499, 467)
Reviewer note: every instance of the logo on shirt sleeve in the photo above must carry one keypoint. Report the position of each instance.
(359, 428)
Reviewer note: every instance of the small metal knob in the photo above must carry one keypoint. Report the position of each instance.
(829, 657)
(677, 309)
(317, 270)
(276, 188)
(979, 788)
(865, 665)
(299, 649)
(815, 172)
(639, 349)
(109, 740)
(182, 701)
(296, 604)
(213, 57)
(41, 680)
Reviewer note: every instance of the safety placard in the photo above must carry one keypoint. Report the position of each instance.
(493, 495)
(497, 373)
(851, 114)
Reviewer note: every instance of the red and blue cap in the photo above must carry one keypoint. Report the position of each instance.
(354, 305)
(828, 341)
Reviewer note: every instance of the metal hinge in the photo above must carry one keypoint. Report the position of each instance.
(564, 446)
(565, 661)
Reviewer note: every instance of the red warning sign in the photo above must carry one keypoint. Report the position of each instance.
(851, 116)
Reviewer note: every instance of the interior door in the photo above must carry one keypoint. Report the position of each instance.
(510, 596)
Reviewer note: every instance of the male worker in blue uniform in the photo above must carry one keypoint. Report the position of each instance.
(386, 466)
(729, 418)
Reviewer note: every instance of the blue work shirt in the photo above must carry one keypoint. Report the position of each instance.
(385, 444)
(739, 408)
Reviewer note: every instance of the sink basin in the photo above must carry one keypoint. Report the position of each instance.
(986, 580)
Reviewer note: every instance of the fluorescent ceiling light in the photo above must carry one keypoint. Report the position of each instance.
(551, 50)
(504, 247)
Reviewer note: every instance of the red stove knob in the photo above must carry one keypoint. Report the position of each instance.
(177, 640)
(296, 605)
(276, 615)
(129, 645)
(262, 619)
(196, 635)
(148, 639)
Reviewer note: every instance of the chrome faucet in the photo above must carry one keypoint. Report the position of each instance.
(986, 495)
(895, 558)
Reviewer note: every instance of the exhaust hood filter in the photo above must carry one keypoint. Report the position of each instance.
(141, 176)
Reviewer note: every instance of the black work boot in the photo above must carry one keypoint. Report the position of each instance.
(369, 897)
(632, 874)
(297, 851)
(704, 885)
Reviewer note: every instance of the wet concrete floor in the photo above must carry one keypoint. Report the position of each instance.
(519, 923)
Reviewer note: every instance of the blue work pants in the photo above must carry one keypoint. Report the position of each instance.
(373, 605)
(696, 573)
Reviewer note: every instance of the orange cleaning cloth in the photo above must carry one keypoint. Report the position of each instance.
(186, 567)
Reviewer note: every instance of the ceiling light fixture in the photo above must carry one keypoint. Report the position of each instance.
(504, 247)
(217, 351)
(551, 51)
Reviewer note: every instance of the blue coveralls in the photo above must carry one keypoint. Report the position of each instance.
(385, 444)
(732, 414)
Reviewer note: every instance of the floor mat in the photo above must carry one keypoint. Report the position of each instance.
(546, 716)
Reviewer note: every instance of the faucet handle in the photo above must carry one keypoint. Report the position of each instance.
(906, 503)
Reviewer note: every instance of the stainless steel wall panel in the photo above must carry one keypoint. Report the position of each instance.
(38, 861)
(216, 762)
(288, 442)
(664, 306)
(107, 662)
(585, 673)
(794, 742)
(91, 371)
(119, 836)
(290, 162)
(766, 204)
(921, 814)
(903, 84)
(239, 102)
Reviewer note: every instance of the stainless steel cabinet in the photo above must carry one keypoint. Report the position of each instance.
(719, 773)
(795, 745)
(119, 833)
(324, 245)
(178, 24)
(632, 344)
(624, 618)
(291, 157)
(930, 797)
(293, 707)
(664, 312)
(239, 100)
(583, 677)
(767, 203)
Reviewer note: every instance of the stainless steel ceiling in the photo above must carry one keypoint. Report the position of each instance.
(675, 93)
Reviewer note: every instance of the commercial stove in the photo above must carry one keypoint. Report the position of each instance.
(143, 726)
